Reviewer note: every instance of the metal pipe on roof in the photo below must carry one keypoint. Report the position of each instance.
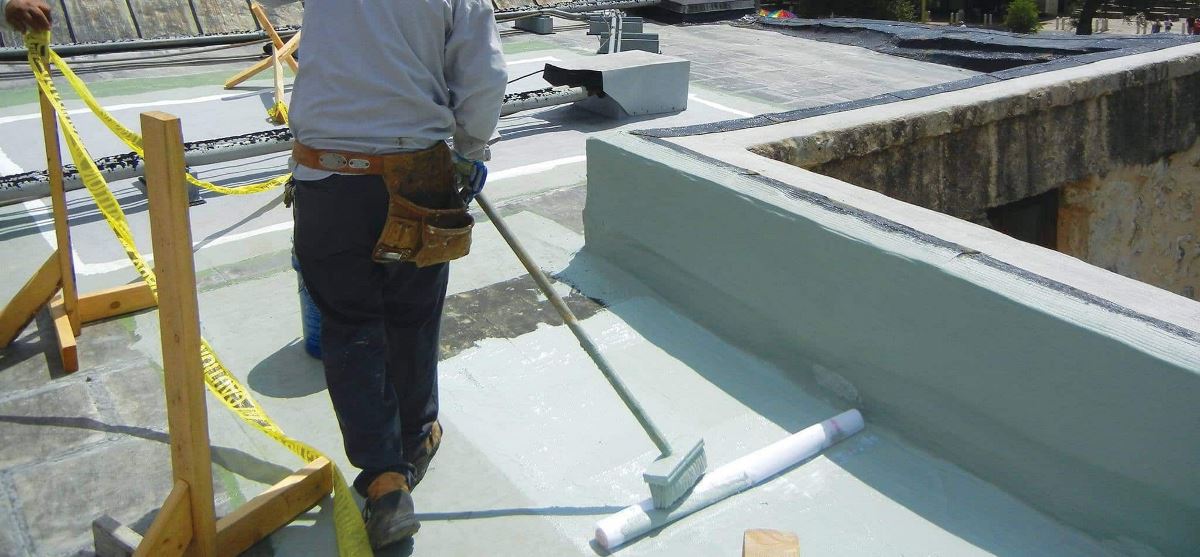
(67, 50)
(33, 185)
(542, 98)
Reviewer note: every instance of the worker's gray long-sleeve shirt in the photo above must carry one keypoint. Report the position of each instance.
(382, 76)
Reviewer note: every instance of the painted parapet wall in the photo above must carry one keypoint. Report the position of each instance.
(1084, 408)
(1111, 139)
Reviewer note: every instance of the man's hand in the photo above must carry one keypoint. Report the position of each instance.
(470, 176)
(26, 15)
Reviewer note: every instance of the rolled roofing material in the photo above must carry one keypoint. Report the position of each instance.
(730, 479)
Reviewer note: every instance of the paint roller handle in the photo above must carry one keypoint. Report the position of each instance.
(569, 318)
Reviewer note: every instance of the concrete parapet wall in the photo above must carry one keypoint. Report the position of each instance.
(967, 157)
(84, 21)
(1078, 405)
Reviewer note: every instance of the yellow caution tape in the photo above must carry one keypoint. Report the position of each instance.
(134, 140)
(351, 534)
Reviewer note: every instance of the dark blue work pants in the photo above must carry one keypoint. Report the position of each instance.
(379, 327)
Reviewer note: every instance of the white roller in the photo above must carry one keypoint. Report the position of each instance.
(730, 479)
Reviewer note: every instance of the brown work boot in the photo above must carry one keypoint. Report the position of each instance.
(388, 512)
(423, 453)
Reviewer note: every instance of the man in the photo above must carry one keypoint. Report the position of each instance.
(383, 84)
(26, 15)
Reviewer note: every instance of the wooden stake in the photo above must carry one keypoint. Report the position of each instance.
(58, 200)
(171, 532)
(36, 293)
(287, 50)
(275, 507)
(278, 74)
(66, 336)
(179, 320)
(265, 23)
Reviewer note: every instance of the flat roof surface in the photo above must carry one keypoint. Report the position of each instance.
(537, 446)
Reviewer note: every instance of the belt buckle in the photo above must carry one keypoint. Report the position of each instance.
(332, 161)
(338, 161)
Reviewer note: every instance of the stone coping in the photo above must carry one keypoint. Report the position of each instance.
(730, 146)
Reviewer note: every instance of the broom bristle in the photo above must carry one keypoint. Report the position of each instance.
(672, 477)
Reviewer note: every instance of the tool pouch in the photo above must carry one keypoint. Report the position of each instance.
(427, 221)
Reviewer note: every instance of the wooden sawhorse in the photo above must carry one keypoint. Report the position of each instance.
(54, 282)
(187, 524)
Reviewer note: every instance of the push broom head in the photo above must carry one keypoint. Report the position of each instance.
(671, 477)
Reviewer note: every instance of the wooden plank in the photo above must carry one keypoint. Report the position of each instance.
(770, 543)
(269, 28)
(179, 322)
(164, 18)
(65, 335)
(100, 20)
(288, 48)
(171, 532)
(112, 302)
(58, 204)
(36, 293)
(275, 65)
(275, 507)
(224, 16)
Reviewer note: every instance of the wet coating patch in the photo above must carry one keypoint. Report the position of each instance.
(504, 310)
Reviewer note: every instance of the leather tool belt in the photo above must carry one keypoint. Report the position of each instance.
(427, 221)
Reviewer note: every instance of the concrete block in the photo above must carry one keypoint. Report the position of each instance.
(163, 19)
(100, 20)
(138, 395)
(542, 24)
(11, 540)
(43, 425)
(646, 42)
(598, 25)
(59, 500)
(633, 83)
(113, 539)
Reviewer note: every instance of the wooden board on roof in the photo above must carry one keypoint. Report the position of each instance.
(164, 18)
(100, 20)
(224, 16)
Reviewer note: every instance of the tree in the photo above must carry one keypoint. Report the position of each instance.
(1086, 14)
(1022, 17)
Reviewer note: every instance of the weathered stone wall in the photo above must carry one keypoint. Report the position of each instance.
(1108, 131)
(81, 21)
(1142, 221)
